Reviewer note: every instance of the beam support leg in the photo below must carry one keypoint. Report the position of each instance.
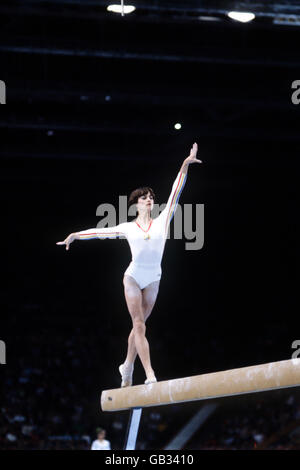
(133, 427)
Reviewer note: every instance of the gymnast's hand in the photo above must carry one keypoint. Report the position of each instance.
(192, 156)
(68, 240)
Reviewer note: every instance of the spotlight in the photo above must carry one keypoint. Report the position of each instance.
(177, 126)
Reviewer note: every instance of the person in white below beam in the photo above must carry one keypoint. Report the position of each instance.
(101, 443)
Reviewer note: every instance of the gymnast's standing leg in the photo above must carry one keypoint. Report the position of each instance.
(140, 304)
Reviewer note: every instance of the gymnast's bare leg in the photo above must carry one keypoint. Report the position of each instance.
(149, 295)
(140, 304)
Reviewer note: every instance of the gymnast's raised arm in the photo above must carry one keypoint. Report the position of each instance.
(167, 214)
(101, 233)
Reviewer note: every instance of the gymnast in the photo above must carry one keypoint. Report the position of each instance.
(146, 238)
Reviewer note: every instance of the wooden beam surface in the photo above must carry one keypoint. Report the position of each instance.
(251, 379)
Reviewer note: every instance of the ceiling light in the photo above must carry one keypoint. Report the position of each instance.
(239, 16)
(119, 9)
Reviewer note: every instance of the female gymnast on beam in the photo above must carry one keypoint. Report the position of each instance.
(146, 238)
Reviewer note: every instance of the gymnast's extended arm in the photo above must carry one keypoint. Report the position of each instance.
(101, 233)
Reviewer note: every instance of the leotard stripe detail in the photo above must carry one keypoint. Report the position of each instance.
(175, 198)
(89, 235)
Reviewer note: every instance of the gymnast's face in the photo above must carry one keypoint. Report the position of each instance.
(145, 202)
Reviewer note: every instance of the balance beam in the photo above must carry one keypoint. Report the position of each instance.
(251, 379)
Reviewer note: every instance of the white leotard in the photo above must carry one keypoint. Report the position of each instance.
(147, 254)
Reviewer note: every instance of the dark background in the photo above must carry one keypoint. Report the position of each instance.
(92, 99)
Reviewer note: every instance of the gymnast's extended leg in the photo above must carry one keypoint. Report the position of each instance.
(140, 304)
(149, 296)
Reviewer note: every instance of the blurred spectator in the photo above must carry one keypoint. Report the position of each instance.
(101, 443)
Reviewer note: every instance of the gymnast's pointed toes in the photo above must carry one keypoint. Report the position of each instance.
(126, 383)
(126, 377)
(151, 380)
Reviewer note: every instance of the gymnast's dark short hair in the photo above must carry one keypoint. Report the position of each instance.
(139, 192)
